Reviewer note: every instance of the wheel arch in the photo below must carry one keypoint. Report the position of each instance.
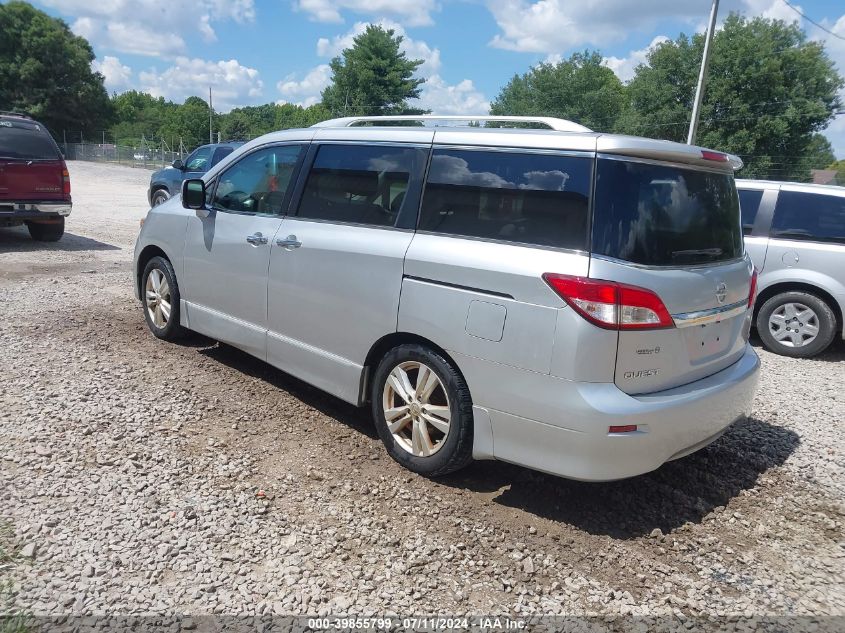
(386, 343)
(146, 254)
(789, 286)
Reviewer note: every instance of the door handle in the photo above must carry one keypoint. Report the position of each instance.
(256, 239)
(289, 242)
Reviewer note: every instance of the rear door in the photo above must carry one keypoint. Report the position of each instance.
(336, 263)
(675, 231)
(30, 164)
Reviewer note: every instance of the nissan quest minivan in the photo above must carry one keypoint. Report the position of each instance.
(575, 302)
(795, 233)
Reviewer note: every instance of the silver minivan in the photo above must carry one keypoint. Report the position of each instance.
(795, 233)
(574, 302)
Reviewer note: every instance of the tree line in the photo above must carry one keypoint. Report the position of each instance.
(770, 92)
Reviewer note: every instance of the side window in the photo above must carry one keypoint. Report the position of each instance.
(219, 154)
(198, 161)
(258, 182)
(809, 216)
(539, 199)
(749, 204)
(364, 184)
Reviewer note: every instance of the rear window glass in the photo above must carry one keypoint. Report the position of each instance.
(809, 216)
(658, 215)
(538, 199)
(749, 204)
(26, 142)
(363, 184)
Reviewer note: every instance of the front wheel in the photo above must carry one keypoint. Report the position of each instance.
(796, 324)
(160, 294)
(159, 197)
(423, 411)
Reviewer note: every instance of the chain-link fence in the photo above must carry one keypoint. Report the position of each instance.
(145, 157)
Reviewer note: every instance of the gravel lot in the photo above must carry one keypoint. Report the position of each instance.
(139, 477)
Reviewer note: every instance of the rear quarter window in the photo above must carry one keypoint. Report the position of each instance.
(809, 216)
(537, 199)
(749, 204)
(661, 215)
(26, 142)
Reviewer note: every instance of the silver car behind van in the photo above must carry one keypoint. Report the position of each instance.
(795, 233)
(574, 302)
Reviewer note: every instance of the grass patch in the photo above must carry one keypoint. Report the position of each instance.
(12, 619)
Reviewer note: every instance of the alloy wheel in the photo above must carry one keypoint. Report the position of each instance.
(158, 298)
(416, 408)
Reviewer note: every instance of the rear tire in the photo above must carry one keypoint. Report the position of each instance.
(428, 405)
(160, 298)
(796, 324)
(46, 232)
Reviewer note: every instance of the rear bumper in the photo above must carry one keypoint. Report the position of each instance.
(563, 428)
(34, 209)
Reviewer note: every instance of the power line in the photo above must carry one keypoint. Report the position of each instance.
(813, 22)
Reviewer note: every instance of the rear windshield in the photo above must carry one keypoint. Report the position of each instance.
(26, 142)
(657, 215)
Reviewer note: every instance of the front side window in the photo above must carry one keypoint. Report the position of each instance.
(749, 204)
(809, 216)
(661, 215)
(198, 161)
(362, 184)
(538, 199)
(258, 182)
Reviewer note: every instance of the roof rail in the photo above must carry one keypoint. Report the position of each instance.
(560, 125)
(20, 114)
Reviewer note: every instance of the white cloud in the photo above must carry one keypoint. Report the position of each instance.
(410, 12)
(233, 83)
(117, 76)
(443, 98)
(305, 92)
(553, 26)
(155, 28)
(624, 67)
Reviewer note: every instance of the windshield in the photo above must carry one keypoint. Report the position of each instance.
(26, 143)
(659, 215)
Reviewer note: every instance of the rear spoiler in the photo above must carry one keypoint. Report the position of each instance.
(667, 151)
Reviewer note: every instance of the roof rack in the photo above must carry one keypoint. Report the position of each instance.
(20, 114)
(559, 125)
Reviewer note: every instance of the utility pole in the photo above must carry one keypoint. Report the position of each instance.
(702, 75)
(210, 118)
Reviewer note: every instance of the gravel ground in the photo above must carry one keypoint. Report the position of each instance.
(145, 477)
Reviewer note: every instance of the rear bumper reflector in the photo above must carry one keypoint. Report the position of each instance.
(626, 428)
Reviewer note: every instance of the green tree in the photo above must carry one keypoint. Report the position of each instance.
(45, 70)
(373, 77)
(769, 91)
(839, 166)
(579, 88)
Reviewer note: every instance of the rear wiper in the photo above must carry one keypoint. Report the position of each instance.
(710, 252)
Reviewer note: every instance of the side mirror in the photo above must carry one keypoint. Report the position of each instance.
(177, 164)
(193, 195)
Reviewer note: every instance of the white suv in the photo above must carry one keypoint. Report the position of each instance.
(575, 302)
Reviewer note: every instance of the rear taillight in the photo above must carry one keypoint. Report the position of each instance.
(718, 157)
(611, 305)
(65, 180)
(752, 292)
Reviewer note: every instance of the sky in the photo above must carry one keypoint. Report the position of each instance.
(260, 51)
